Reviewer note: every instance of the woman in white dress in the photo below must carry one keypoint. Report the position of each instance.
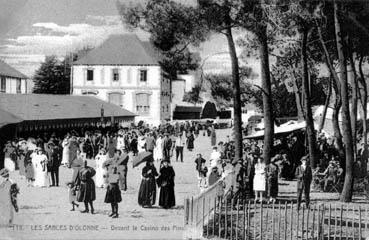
(259, 179)
(100, 170)
(39, 161)
(159, 148)
(65, 145)
(141, 144)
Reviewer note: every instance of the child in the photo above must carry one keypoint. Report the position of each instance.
(113, 193)
(72, 194)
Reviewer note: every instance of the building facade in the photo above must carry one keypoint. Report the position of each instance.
(12, 81)
(124, 72)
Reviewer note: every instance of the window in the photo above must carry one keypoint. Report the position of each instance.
(143, 75)
(116, 98)
(3, 84)
(90, 74)
(167, 108)
(19, 86)
(143, 103)
(115, 75)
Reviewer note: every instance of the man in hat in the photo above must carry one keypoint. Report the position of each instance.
(8, 198)
(53, 164)
(304, 176)
(167, 142)
(239, 181)
(214, 176)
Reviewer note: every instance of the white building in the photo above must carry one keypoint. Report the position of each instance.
(125, 71)
(13, 81)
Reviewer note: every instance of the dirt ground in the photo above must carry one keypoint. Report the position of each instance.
(45, 212)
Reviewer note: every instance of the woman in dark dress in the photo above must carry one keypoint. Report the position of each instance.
(113, 193)
(86, 186)
(147, 193)
(166, 183)
(272, 171)
(190, 140)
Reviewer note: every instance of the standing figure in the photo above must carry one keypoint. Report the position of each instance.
(213, 136)
(203, 181)
(159, 148)
(259, 179)
(272, 171)
(8, 198)
(8, 151)
(54, 164)
(65, 145)
(100, 159)
(30, 173)
(190, 141)
(86, 186)
(141, 142)
(179, 145)
(167, 142)
(304, 176)
(147, 192)
(122, 168)
(113, 194)
(150, 143)
(166, 184)
(72, 195)
(40, 165)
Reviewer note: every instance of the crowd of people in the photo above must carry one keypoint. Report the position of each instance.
(39, 159)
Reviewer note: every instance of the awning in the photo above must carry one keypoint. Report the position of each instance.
(8, 118)
(287, 127)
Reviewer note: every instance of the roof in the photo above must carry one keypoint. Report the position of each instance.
(9, 71)
(31, 107)
(125, 49)
(8, 118)
(188, 109)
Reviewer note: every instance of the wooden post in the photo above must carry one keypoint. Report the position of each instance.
(329, 222)
(232, 202)
(219, 217)
(237, 216)
(298, 222)
(322, 222)
(285, 221)
(208, 214)
(254, 219)
(341, 220)
(314, 221)
(197, 211)
(191, 210)
(319, 225)
(261, 220)
(302, 222)
(244, 218)
(248, 219)
(187, 212)
(225, 216)
(335, 221)
(307, 222)
(353, 222)
(347, 220)
(291, 220)
(360, 235)
(203, 213)
(279, 220)
(215, 212)
(273, 212)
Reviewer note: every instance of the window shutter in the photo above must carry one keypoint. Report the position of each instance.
(102, 76)
(84, 76)
(129, 75)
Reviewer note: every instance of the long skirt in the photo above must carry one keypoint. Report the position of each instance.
(259, 182)
(87, 191)
(113, 194)
(272, 187)
(147, 192)
(30, 174)
(167, 198)
(9, 164)
(22, 168)
(122, 182)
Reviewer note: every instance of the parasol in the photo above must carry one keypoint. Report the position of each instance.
(142, 157)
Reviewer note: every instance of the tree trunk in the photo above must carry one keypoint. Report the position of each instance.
(338, 102)
(326, 105)
(267, 95)
(300, 114)
(364, 100)
(354, 100)
(236, 97)
(346, 195)
(310, 131)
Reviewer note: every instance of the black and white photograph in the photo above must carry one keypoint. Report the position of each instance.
(184, 119)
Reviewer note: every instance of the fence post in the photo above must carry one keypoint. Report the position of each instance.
(273, 212)
(219, 217)
(319, 225)
(335, 221)
(225, 216)
(302, 222)
(314, 221)
(291, 220)
(341, 220)
(347, 220)
(231, 227)
(203, 215)
(353, 222)
(279, 220)
(254, 219)
(360, 235)
(237, 216)
(298, 222)
(244, 217)
(285, 221)
(261, 220)
(215, 213)
(329, 222)
(307, 221)
(248, 219)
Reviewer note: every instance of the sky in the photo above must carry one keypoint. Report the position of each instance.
(32, 29)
